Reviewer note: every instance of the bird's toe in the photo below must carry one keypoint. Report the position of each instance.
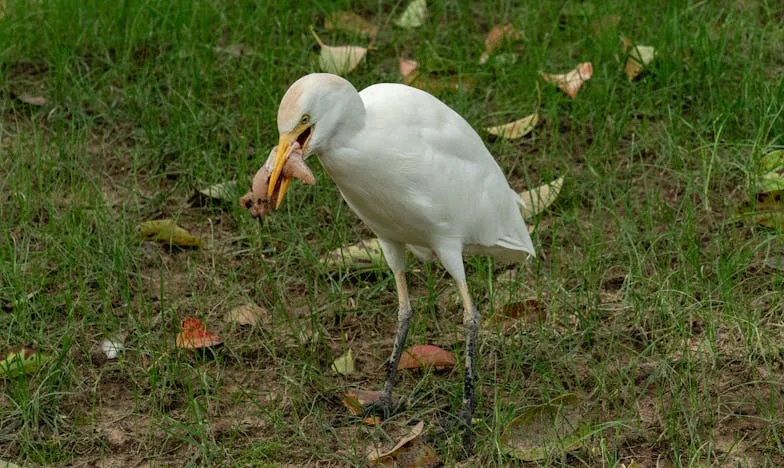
(381, 408)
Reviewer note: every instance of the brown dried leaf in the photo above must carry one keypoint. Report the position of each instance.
(496, 37)
(516, 129)
(248, 314)
(377, 456)
(419, 356)
(33, 100)
(351, 23)
(571, 82)
(356, 400)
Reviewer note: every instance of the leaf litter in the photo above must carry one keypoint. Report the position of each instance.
(540, 198)
(364, 255)
(638, 57)
(496, 37)
(167, 232)
(339, 60)
(345, 364)
(414, 15)
(423, 356)
(571, 82)
(408, 451)
(544, 431)
(517, 129)
(249, 314)
(193, 334)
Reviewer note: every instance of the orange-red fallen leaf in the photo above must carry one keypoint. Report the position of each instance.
(377, 456)
(419, 356)
(496, 37)
(351, 23)
(570, 82)
(407, 66)
(194, 335)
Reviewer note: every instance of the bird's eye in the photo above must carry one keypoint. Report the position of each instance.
(305, 119)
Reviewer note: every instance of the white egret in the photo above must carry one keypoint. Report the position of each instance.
(419, 176)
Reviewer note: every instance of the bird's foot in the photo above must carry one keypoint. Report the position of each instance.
(465, 423)
(381, 408)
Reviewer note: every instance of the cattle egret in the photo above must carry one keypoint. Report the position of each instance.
(419, 176)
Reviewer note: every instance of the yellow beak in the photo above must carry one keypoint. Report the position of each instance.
(284, 145)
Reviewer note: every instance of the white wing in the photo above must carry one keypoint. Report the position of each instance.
(434, 182)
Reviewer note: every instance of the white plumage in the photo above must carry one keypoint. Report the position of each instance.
(417, 174)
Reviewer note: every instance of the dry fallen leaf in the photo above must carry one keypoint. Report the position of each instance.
(350, 22)
(166, 231)
(544, 431)
(377, 456)
(344, 365)
(419, 356)
(220, 192)
(570, 82)
(414, 15)
(770, 172)
(112, 347)
(639, 56)
(407, 66)
(339, 60)
(194, 335)
(516, 129)
(33, 100)
(356, 400)
(248, 314)
(538, 199)
(496, 37)
(364, 255)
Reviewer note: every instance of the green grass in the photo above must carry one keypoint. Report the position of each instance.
(663, 312)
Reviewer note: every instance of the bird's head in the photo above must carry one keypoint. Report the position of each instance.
(313, 112)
